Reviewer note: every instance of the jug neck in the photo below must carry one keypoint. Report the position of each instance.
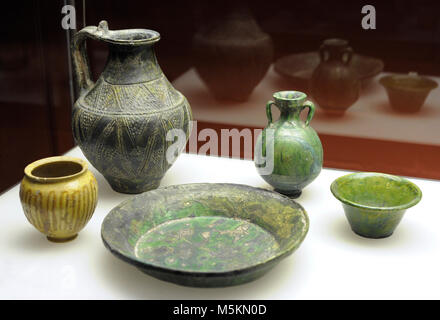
(335, 55)
(128, 64)
(334, 49)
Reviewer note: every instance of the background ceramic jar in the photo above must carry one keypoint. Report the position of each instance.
(59, 196)
(232, 54)
(335, 84)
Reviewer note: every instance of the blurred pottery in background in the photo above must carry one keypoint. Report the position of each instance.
(375, 203)
(59, 196)
(121, 122)
(232, 55)
(290, 144)
(298, 68)
(407, 93)
(335, 85)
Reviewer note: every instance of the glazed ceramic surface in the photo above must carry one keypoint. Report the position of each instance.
(232, 55)
(375, 203)
(58, 196)
(335, 84)
(297, 150)
(205, 235)
(121, 121)
(299, 67)
(407, 93)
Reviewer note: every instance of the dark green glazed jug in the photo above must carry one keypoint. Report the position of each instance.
(288, 153)
(121, 122)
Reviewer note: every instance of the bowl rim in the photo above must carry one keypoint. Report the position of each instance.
(131, 259)
(389, 81)
(28, 170)
(413, 202)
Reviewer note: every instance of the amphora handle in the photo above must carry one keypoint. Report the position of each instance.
(311, 106)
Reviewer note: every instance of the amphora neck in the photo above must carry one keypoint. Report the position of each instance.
(290, 104)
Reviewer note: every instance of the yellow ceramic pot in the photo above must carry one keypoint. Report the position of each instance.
(59, 196)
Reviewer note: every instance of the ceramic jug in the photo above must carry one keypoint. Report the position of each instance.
(232, 54)
(335, 85)
(288, 153)
(121, 122)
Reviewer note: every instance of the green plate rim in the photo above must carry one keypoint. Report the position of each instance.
(144, 265)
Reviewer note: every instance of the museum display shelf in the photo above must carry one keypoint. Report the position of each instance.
(332, 262)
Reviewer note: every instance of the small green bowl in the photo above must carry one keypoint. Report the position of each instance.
(375, 203)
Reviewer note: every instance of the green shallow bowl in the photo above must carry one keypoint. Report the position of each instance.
(375, 203)
(205, 235)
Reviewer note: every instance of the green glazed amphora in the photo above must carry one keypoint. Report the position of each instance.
(288, 153)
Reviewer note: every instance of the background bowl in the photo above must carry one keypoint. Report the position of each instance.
(375, 203)
(299, 67)
(407, 93)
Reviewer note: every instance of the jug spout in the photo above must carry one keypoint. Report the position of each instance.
(135, 44)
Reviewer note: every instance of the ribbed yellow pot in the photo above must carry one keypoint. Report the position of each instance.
(59, 196)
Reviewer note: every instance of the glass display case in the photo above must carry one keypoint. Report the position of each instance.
(150, 95)
(371, 135)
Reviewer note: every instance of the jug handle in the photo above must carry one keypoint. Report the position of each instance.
(79, 53)
(269, 111)
(311, 106)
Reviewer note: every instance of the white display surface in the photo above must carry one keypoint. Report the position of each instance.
(332, 262)
(370, 117)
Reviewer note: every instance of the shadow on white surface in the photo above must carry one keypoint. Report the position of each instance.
(31, 241)
(403, 237)
(307, 194)
(135, 284)
(105, 192)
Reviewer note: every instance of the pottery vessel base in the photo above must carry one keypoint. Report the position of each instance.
(208, 282)
(293, 194)
(372, 236)
(60, 240)
(130, 188)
